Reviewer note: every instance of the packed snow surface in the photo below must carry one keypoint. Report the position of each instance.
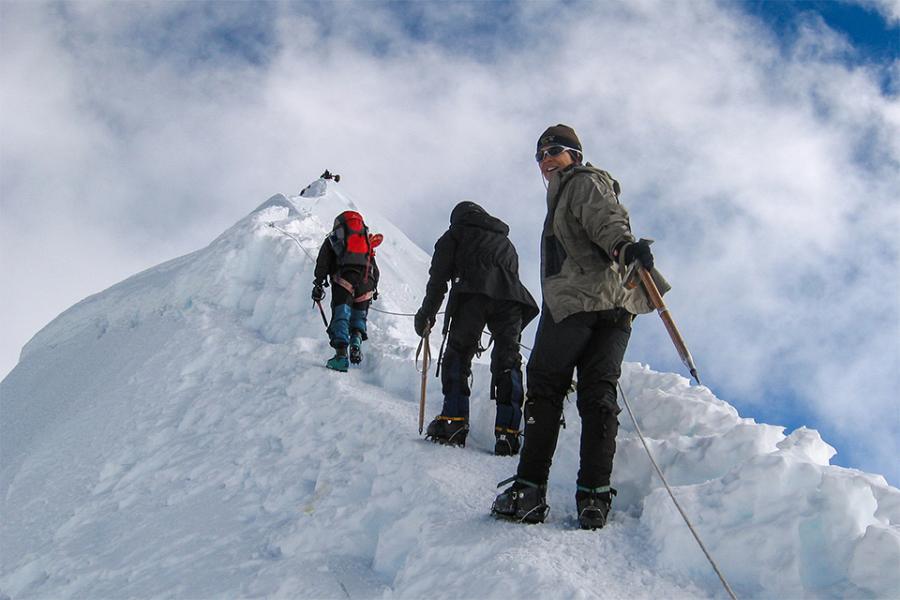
(178, 436)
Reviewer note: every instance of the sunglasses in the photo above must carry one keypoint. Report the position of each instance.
(551, 151)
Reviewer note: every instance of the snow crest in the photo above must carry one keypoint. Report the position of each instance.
(177, 435)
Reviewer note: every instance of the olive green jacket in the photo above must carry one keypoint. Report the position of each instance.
(585, 223)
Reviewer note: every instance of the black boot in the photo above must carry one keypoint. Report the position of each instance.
(593, 506)
(507, 442)
(451, 431)
(523, 501)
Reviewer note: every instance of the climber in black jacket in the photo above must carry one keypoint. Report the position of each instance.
(477, 256)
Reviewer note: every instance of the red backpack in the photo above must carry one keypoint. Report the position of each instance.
(350, 239)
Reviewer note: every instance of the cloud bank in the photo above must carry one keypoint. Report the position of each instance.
(767, 172)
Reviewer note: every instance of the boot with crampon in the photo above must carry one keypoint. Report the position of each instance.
(507, 443)
(451, 431)
(339, 362)
(355, 349)
(523, 501)
(593, 506)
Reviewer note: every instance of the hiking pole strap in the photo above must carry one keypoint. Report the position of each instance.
(657, 301)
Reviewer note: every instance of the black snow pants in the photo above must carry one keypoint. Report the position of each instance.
(593, 343)
(504, 320)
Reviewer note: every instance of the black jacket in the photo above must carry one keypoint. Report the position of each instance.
(327, 265)
(477, 256)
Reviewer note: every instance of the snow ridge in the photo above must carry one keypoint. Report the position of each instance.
(177, 435)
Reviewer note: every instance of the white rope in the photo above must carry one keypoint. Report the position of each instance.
(293, 237)
(672, 496)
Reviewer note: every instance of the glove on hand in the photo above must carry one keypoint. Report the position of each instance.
(422, 321)
(638, 250)
(318, 292)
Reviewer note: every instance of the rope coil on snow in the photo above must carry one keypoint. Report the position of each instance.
(672, 496)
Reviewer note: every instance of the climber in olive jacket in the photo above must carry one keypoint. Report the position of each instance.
(477, 256)
(586, 249)
(586, 226)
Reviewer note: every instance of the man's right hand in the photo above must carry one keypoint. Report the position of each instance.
(318, 292)
(423, 321)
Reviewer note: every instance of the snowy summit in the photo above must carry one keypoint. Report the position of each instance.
(177, 435)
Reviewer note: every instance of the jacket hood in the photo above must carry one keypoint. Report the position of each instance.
(472, 215)
(574, 169)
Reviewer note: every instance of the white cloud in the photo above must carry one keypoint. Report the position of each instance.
(768, 180)
(889, 9)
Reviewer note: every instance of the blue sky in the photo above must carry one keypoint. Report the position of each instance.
(874, 38)
(757, 142)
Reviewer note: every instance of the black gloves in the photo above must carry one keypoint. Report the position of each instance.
(422, 321)
(638, 250)
(318, 291)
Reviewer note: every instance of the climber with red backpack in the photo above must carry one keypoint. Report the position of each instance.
(347, 259)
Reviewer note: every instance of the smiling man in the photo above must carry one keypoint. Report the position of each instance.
(585, 323)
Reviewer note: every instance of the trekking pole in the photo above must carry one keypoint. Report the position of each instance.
(657, 301)
(426, 357)
(322, 312)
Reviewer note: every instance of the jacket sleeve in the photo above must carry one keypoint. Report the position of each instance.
(595, 205)
(325, 262)
(440, 273)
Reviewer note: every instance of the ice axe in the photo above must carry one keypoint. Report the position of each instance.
(322, 312)
(426, 357)
(656, 300)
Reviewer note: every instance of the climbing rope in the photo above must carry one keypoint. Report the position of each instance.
(387, 312)
(672, 496)
(293, 237)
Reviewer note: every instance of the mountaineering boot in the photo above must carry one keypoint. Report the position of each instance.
(593, 506)
(507, 442)
(339, 362)
(355, 351)
(523, 501)
(451, 431)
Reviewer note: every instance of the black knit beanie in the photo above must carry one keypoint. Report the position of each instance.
(562, 135)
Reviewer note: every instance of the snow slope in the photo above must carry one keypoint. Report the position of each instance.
(177, 436)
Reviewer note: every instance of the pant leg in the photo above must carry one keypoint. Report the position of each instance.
(504, 321)
(462, 341)
(598, 373)
(359, 313)
(557, 349)
(339, 329)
